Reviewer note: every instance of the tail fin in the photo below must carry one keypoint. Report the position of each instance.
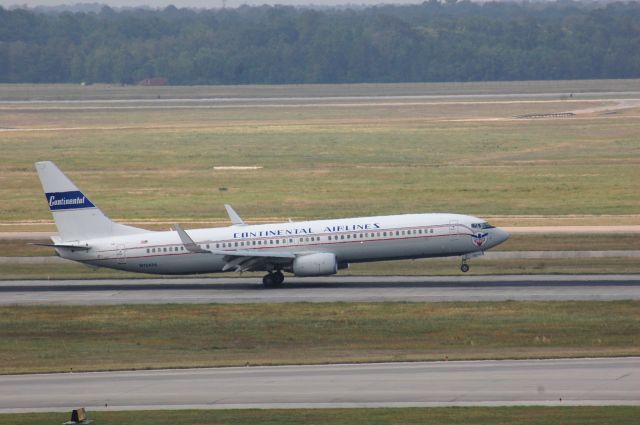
(76, 217)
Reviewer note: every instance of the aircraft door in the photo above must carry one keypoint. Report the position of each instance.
(121, 254)
(453, 230)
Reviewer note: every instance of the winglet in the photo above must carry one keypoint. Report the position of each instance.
(235, 218)
(188, 243)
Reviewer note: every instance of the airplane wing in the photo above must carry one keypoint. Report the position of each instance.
(240, 260)
(243, 261)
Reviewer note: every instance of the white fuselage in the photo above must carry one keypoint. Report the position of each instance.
(351, 240)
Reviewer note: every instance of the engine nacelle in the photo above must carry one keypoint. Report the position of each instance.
(320, 264)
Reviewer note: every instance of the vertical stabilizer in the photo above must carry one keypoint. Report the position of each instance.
(76, 217)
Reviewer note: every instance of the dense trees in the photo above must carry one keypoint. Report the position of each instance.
(434, 41)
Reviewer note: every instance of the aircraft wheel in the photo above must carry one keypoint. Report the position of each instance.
(273, 279)
(279, 277)
(268, 280)
(464, 267)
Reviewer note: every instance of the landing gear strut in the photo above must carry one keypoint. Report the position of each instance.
(273, 279)
(464, 267)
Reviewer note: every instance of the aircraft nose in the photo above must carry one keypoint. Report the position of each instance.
(501, 235)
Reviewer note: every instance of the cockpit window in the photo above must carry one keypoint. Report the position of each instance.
(484, 225)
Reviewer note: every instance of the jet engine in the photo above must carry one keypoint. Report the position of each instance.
(319, 264)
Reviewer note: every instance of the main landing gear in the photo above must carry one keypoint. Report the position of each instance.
(273, 279)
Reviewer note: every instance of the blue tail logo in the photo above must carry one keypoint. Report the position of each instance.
(68, 200)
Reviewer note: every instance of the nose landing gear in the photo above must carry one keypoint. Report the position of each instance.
(464, 267)
(273, 279)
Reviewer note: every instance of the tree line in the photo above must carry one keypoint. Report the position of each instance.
(433, 41)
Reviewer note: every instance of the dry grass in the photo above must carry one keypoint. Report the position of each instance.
(38, 339)
(426, 267)
(323, 161)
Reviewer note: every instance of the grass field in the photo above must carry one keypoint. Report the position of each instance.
(324, 158)
(62, 338)
(57, 92)
(583, 415)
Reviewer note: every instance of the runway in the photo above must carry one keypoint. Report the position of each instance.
(612, 381)
(331, 289)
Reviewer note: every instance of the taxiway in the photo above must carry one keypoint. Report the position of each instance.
(607, 381)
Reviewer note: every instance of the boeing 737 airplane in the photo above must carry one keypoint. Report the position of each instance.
(306, 248)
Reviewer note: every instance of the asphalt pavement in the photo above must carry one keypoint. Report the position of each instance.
(607, 381)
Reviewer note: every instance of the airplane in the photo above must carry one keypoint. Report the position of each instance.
(303, 248)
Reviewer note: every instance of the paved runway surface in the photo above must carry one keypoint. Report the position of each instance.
(349, 289)
(544, 382)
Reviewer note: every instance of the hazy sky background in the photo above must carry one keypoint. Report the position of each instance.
(203, 3)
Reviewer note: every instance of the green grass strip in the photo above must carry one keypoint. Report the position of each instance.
(589, 415)
(62, 338)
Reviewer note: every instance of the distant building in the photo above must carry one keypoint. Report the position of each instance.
(153, 82)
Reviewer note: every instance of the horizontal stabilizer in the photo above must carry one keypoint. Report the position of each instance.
(63, 246)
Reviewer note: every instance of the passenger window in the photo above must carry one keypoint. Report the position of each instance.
(147, 250)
